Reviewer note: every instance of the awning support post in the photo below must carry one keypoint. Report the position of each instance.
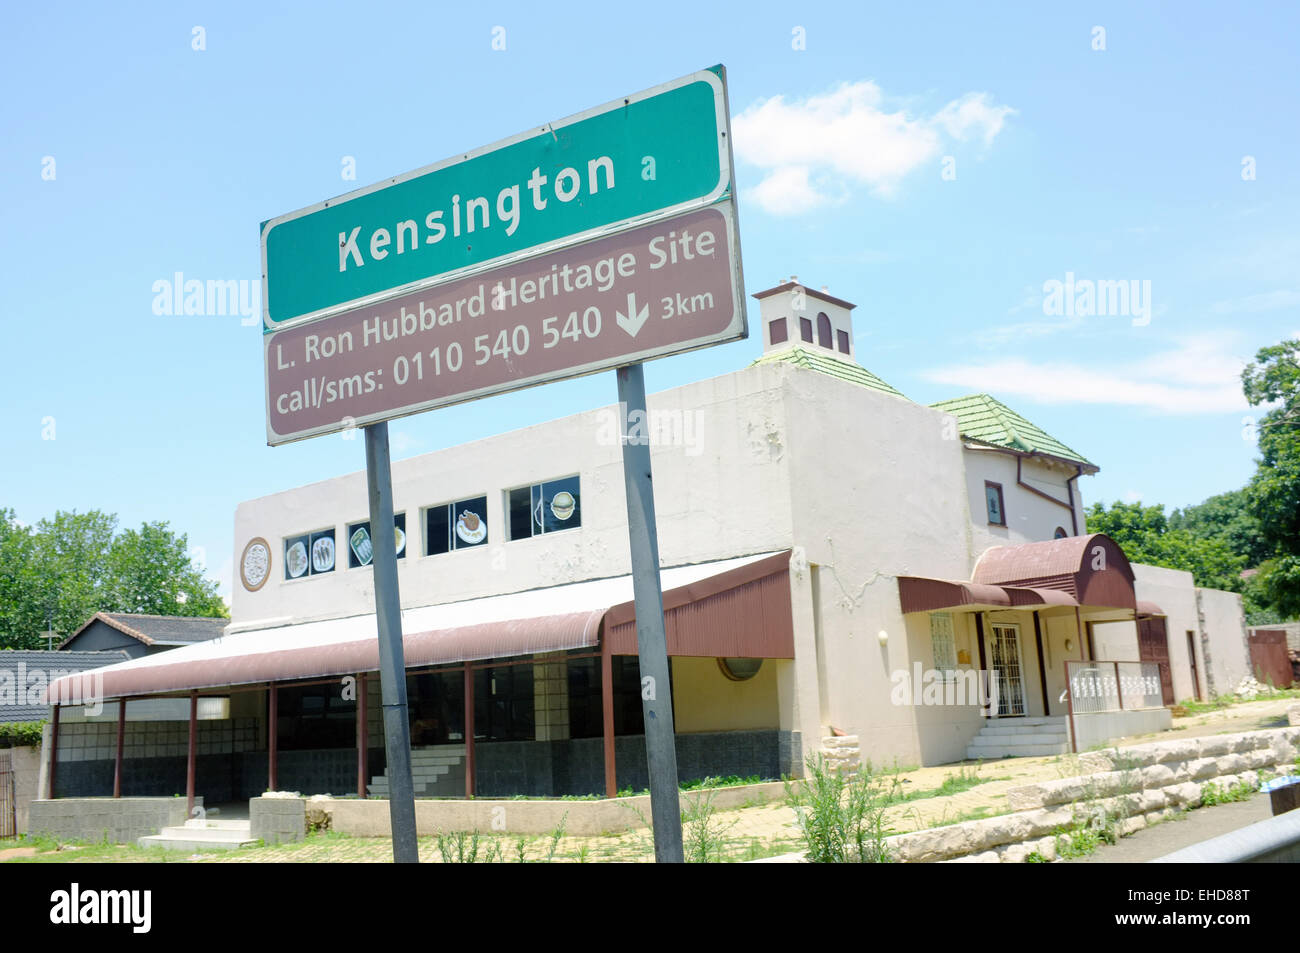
(273, 738)
(121, 738)
(54, 750)
(651, 639)
(189, 761)
(469, 731)
(363, 732)
(607, 714)
(392, 661)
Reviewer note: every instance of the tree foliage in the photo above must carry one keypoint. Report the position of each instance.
(1147, 536)
(72, 565)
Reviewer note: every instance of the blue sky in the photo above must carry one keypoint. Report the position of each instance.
(1122, 163)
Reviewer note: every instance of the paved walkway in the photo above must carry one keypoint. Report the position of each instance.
(1191, 828)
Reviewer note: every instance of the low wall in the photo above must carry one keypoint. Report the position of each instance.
(278, 820)
(1094, 728)
(122, 820)
(370, 818)
(26, 763)
(1141, 784)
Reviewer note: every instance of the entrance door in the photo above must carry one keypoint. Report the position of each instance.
(1004, 659)
(1153, 646)
(1191, 654)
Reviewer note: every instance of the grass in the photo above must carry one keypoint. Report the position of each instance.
(1219, 702)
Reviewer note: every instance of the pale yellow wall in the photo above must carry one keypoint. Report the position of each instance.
(706, 700)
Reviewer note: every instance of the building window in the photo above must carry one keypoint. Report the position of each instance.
(544, 508)
(361, 546)
(315, 716)
(842, 338)
(805, 329)
(309, 554)
(824, 331)
(943, 644)
(1060, 533)
(586, 714)
(449, 526)
(503, 704)
(436, 707)
(740, 669)
(777, 332)
(993, 501)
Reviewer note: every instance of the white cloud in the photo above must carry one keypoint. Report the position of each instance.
(1196, 377)
(1132, 496)
(815, 151)
(1268, 301)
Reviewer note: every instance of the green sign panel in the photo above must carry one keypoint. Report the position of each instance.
(637, 159)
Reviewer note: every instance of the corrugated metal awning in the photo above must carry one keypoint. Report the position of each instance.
(919, 594)
(558, 618)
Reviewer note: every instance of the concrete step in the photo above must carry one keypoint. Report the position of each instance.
(192, 845)
(984, 753)
(1012, 730)
(1015, 741)
(234, 835)
(213, 824)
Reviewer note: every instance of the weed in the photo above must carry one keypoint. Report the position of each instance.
(842, 820)
(1212, 793)
(702, 835)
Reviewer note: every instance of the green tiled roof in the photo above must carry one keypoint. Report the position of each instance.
(835, 367)
(985, 420)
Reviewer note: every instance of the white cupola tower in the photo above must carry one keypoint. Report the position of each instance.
(793, 316)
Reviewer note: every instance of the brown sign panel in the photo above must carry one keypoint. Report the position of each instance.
(660, 289)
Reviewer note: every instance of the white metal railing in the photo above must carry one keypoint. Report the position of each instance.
(1102, 686)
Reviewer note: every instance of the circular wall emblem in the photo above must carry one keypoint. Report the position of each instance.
(255, 564)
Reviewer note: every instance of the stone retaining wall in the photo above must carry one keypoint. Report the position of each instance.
(278, 819)
(370, 818)
(1140, 785)
(122, 820)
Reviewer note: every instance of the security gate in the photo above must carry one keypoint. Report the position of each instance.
(8, 825)
(1005, 661)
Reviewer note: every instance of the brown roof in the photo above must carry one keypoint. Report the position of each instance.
(1075, 571)
(1093, 569)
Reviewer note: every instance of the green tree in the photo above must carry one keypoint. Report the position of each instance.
(20, 613)
(72, 565)
(1228, 517)
(1146, 536)
(151, 572)
(1273, 494)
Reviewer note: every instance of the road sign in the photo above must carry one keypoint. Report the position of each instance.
(659, 152)
(658, 289)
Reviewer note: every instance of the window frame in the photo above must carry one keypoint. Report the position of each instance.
(350, 527)
(1002, 503)
(947, 674)
(537, 500)
(454, 543)
(310, 538)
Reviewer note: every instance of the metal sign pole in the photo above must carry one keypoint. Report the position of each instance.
(651, 641)
(392, 661)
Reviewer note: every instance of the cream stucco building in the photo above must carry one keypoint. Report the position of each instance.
(835, 558)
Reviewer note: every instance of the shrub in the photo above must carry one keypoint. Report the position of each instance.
(842, 820)
(21, 734)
